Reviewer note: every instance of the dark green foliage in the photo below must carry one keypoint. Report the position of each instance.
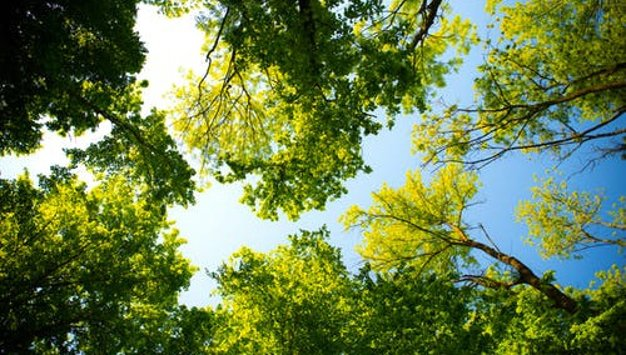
(407, 313)
(68, 65)
(141, 148)
(50, 51)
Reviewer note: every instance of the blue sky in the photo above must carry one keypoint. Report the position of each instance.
(218, 225)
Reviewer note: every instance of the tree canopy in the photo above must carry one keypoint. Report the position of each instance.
(57, 53)
(554, 79)
(77, 262)
(424, 226)
(67, 66)
(290, 301)
(300, 298)
(289, 92)
(291, 89)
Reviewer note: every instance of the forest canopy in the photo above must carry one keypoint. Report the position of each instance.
(290, 90)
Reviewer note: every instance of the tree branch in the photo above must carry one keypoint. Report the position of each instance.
(429, 13)
(527, 276)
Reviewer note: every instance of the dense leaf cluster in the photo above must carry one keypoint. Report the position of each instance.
(291, 89)
(76, 264)
(54, 53)
(300, 298)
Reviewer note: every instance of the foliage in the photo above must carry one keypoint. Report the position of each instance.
(555, 79)
(53, 54)
(602, 332)
(523, 323)
(416, 223)
(290, 91)
(267, 309)
(174, 8)
(291, 300)
(299, 298)
(69, 65)
(139, 147)
(568, 222)
(159, 329)
(520, 323)
(406, 313)
(75, 263)
(423, 225)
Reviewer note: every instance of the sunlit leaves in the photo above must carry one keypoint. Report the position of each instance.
(290, 91)
(293, 299)
(554, 80)
(565, 222)
(418, 223)
(75, 261)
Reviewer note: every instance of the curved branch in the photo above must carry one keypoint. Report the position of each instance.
(212, 49)
(527, 276)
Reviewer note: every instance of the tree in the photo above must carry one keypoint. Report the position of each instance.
(159, 329)
(291, 88)
(402, 312)
(565, 223)
(424, 225)
(141, 148)
(75, 263)
(555, 80)
(67, 66)
(300, 298)
(294, 299)
(527, 323)
(56, 53)
(602, 331)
